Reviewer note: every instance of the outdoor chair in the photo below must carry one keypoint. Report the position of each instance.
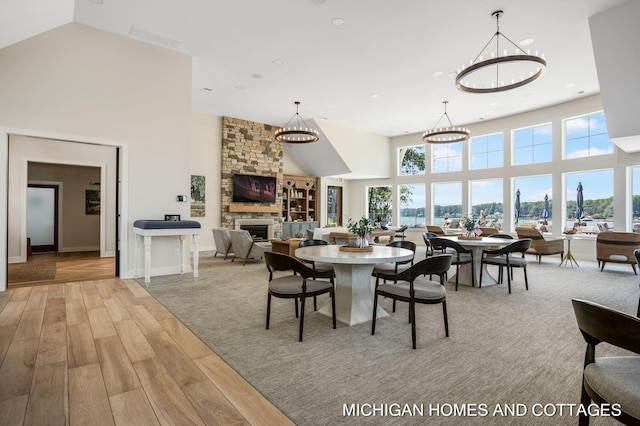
(222, 241)
(400, 232)
(539, 245)
(488, 231)
(305, 282)
(611, 379)
(245, 248)
(502, 257)
(435, 229)
(617, 247)
(410, 287)
(461, 255)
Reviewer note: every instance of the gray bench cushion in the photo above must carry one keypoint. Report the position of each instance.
(166, 224)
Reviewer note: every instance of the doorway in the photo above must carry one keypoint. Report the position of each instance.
(42, 218)
(334, 206)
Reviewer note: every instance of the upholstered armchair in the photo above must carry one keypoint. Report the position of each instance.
(617, 247)
(541, 246)
(222, 240)
(245, 248)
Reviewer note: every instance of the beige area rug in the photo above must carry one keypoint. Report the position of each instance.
(519, 351)
(27, 272)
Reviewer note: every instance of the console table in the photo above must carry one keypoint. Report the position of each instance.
(164, 228)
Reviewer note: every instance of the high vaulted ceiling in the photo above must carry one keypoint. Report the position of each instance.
(385, 70)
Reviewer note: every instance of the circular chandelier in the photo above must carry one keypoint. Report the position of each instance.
(446, 134)
(499, 73)
(298, 131)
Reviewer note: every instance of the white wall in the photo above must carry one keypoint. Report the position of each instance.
(206, 150)
(79, 83)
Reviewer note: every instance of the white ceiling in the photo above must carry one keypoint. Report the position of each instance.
(388, 48)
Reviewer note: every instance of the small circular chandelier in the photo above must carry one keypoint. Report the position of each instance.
(298, 131)
(446, 134)
(500, 73)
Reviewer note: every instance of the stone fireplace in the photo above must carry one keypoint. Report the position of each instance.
(250, 223)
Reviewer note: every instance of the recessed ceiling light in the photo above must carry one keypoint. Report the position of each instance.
(571, 85)
(374, 96)
(526, 42)
(493, 104)
(277, 62)
(438, 73)
(256, 75)
(240, 87)
(337, 21)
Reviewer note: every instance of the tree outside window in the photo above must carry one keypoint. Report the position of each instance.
(635, 191)
(586, 136)
(379, 203)
(412, 160)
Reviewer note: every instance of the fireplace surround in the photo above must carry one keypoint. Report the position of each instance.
(240, 223)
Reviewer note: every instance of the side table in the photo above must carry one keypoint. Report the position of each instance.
(286, 246)
(568, 257)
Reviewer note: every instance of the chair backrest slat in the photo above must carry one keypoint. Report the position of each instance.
(602, 324)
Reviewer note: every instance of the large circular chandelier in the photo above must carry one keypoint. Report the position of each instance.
(296, 130)
(446, 134)
(500, 71)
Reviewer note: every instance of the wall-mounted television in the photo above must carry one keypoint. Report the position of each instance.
(254, 189)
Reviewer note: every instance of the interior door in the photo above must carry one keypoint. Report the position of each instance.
(334, 205)
(42, 217)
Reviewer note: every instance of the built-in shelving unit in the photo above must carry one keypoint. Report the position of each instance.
(299, 204)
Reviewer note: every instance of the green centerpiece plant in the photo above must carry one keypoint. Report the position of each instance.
(361, 228)
(468, 224)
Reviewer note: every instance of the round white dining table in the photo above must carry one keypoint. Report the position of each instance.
(354, 298)
(477, 246)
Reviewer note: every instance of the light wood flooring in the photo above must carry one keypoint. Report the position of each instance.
(105, 352)
(74, 266)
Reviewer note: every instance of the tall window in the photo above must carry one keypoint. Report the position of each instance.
(379, 203)
(412, 205)
(635, 191)
(586, 136)
(532, 145)
(597, 193)
(447, 157)
(487, 201)
(447, 201)
(412, 160)
(533, 190)
(487, 151)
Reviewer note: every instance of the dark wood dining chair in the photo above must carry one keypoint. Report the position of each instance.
(305, 282)
(502, 257)
(461, 255)
(408, 286)
(611, 379)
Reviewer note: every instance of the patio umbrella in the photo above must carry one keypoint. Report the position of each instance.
(545, 210)
(517, 206)
(579, 203)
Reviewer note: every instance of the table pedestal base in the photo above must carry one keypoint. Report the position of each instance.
(354, 299)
